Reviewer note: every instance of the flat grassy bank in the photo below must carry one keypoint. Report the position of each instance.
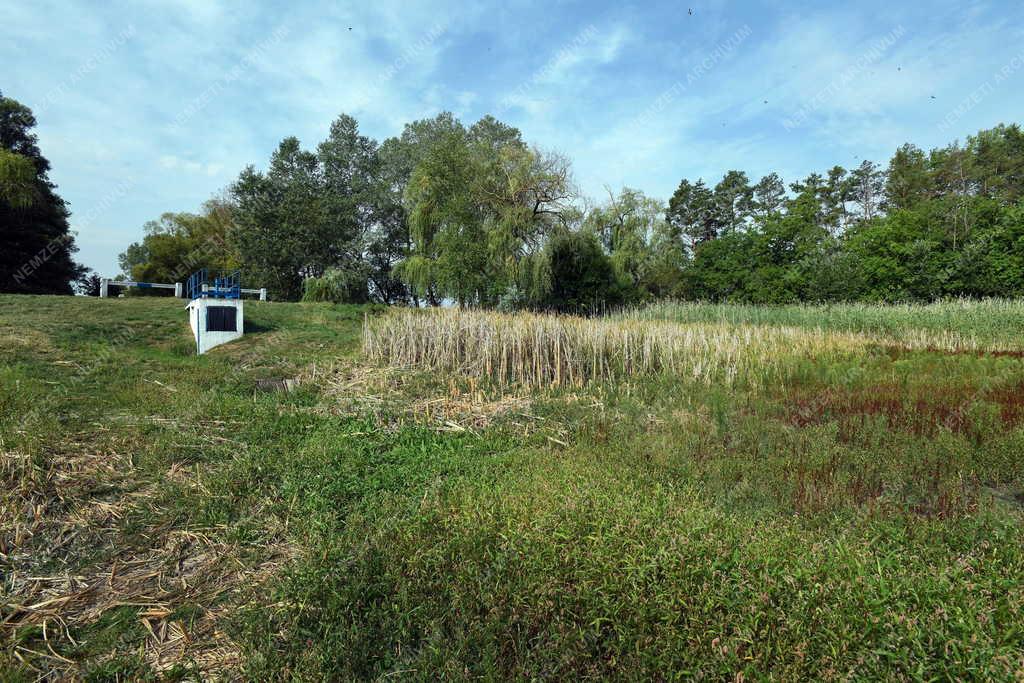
(412, 513)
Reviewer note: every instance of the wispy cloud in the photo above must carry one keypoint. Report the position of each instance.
(169, 161)
(569, 68)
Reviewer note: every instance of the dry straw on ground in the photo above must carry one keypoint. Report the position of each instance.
(546, 351)
(52, 522)
(395, 397)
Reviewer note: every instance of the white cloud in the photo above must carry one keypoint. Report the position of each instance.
(591, 47)
(569, 70)
(173, 163)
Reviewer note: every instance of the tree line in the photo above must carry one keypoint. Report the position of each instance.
(943, 223)
(474, 215)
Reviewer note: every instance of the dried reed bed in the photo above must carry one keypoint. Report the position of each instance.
(189, 569)
(547, 351)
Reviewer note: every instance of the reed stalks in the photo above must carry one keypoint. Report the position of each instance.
(548, 351)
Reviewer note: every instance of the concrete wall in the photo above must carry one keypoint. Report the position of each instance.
(197, 319)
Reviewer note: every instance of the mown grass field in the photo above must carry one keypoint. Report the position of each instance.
(745, 494)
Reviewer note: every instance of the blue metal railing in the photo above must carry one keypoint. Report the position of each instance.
(222, 287)
(227, 286)
(194, 287)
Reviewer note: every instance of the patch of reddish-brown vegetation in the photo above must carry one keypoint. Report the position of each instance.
(940, 490)
(896, 351)
(819, 486)
(1011, 403)
(920, 410)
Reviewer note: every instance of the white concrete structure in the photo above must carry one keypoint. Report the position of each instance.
(215, 321)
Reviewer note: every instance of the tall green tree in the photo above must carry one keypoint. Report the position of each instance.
(998, 162)
(37, 241)
(720, 269)
(693, 212)
(480, 203)
(785, 247)
(449, 253)
(833, 196)
(350, 167)
(178, 244)
(279, 220)
(769, 197)
(388, 241)
(867, 189)
(525, 194)
(734, 200)
(392, 246)
(310, 212)
(908, 178)
(629, 225)
(578, 276)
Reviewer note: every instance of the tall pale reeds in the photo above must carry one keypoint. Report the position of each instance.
(539, 351)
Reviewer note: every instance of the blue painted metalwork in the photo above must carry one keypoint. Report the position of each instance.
(196, 280)
(228, 286)
(221, 287)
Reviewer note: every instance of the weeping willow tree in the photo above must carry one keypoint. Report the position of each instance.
(447, 259)
(17, 176)
(339, 286)
(481, 204)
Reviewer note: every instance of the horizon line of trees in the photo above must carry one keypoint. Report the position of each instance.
(474, 215)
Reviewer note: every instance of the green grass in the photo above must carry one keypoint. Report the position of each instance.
(860, 519)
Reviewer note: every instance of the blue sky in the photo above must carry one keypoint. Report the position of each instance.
(150, 107)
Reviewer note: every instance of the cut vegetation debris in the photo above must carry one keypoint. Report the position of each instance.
(719, 492)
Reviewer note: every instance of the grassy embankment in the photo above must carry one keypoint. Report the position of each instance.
(495, 496)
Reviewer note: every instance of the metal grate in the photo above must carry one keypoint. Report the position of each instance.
(221, 319)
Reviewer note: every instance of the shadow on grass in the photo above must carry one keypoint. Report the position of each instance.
(249, 327)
